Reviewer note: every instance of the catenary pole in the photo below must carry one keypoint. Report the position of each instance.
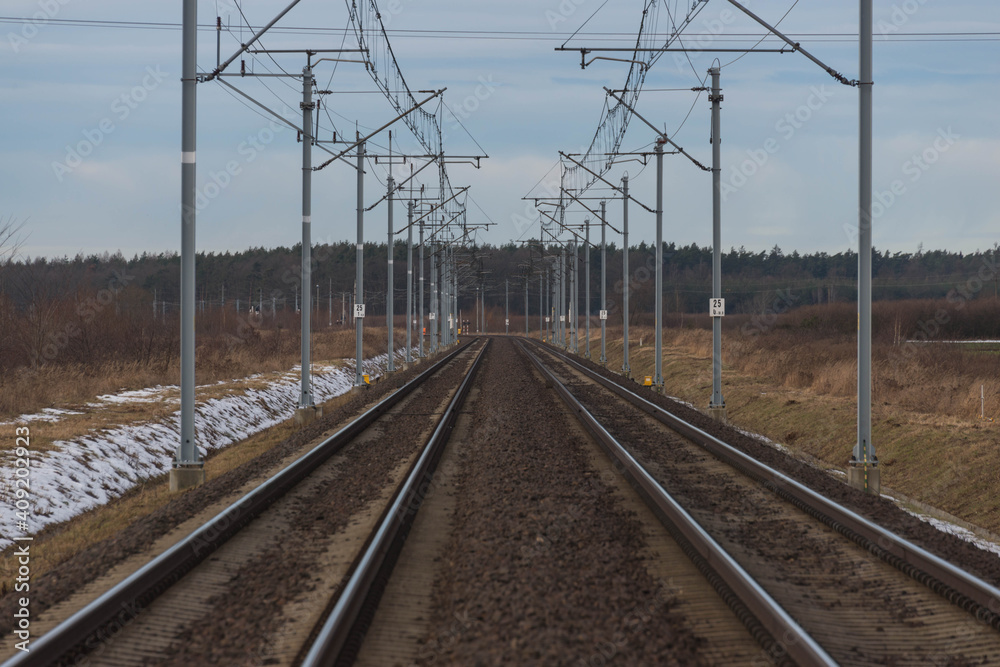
(432, 314)
(626, 369)
(527, 309)
(305, 395)
(718, 404)
(658, 333)
(543, 285)
(574, 290)
(409, 282)
(604, 284)
(187, 452)
(420, 297)
(586, 282)
(390, 291)
(864, 450)
(359, 286)
(445, 293)
(563, 279)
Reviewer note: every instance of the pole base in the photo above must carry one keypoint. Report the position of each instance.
(307, 415)
(718, 413)
(864, 478)
(186, 477)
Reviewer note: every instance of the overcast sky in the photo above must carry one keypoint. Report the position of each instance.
(790, 146)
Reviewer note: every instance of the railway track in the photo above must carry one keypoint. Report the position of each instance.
(288, 545)
(863, 594)
(585, 525)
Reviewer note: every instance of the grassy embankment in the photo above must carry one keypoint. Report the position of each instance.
(238, 362)
(795, 383)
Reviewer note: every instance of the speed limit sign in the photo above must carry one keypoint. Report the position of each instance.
(359, 310)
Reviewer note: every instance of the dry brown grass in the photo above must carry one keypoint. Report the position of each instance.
(797, 386)
(73, 385)
(105, 521)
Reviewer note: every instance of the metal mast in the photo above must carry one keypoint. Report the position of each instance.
(305, 397)
(626, 370)
(420, 296)
(359, 286)
(586, 281)
(409, 282)
(390, 292)
(604, 283)
(717, 407)
(864, 469)
(188, 468)
(658, 334)
(506, 301)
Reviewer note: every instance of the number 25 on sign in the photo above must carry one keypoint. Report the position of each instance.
(359, 310)
(717, 307)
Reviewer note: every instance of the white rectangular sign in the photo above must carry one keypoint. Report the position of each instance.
(507, 322)
(359, 310)
(717, 307)
(562, 318)
(433, 316)
(546, 319)
(604, 314)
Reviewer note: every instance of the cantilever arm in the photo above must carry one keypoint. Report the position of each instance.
(663, 135)
(613, 186)
(795, 45)
(243, 47)
(372, 134)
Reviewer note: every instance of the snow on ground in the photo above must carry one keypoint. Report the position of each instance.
(46, 415)
(88, 471)
(944, 526)
(958, 531)
(149, 395)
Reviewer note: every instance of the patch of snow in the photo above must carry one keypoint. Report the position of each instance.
(953, 529)
(88, 471)
(682, 402)
(764, 440)
(149, 395)
(47, 415)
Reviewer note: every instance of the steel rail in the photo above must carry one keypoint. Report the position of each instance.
(83, 630)
(963, 589)
(781, 627)
(339, 637)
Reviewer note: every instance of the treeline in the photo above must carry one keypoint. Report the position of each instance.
(270, 278)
